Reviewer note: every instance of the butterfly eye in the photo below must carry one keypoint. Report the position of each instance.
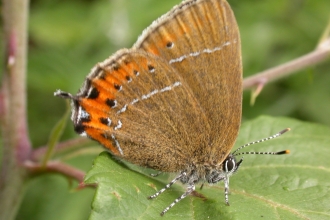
(230, 164)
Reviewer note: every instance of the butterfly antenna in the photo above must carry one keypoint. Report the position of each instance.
(262, 140)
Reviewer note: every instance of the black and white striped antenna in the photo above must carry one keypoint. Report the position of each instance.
(262, 140)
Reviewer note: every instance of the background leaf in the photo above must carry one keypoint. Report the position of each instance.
(294, 186)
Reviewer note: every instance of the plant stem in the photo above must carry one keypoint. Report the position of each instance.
(56, 167)
(321, 53)
(16, 145)
(72, 144)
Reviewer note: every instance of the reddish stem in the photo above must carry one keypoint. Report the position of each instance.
(321, 53)
(56, 167)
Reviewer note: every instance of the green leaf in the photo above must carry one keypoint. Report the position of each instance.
(294, 186)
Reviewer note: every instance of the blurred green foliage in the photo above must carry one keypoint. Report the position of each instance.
(67, 38)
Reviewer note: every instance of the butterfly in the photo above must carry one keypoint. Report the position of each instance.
(173, 102)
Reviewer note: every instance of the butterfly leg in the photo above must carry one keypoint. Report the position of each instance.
(226, 181)
(167, 186)
(190, 189)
